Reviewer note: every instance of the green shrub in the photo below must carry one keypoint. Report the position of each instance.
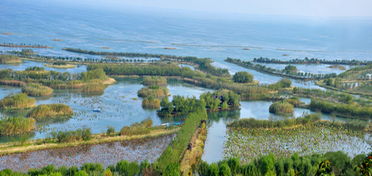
(242, 77)
(71, 136)
(143, 127)
(110, 131)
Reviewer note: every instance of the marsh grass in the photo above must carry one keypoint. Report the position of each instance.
(17, 101)
(35, 89)
(50, 111)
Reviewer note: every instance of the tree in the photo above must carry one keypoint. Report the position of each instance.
(243, 77)
(224, 170)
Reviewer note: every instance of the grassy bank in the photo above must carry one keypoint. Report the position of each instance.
(40, 144)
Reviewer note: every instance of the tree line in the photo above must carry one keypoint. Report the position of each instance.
(284, 72)
(307, 60)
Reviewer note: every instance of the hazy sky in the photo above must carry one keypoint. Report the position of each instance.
(318, 8)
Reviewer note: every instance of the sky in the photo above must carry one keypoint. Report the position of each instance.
(306, 8)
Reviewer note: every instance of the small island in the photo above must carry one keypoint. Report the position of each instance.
(10, 59)
(62, 65)
(50, 112)
(17, 101)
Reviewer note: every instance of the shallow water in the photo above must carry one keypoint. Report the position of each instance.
(106, 154)
(119, 104)
(217, 131)
(27, 63)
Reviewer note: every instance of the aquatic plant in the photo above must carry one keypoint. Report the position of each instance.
(17, 101)
(281, 107)
(154, 81)
(50, 112)
(153, 91)
(345, 110)
(151, 103)
(35, 89)
(16, 125)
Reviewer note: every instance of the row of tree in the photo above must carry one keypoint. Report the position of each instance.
(307, 60)
(288, 72)
(331, 163)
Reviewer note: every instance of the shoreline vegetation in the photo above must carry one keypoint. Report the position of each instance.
(23, 45)
(93, 81)
(289, 71)
(10, 59)
(42, 144)
(311, 61)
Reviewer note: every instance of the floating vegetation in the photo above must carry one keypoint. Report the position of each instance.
(50, 111)
(35, 89)
(17, 101)
(251, 143)
(16, 126)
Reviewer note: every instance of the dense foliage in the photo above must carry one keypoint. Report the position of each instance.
(16, 126)
(172, 155)
(254, 123)
(71, 136)
(17, 101)
(281, 107)
(143, 127)
(50, 112)
(331, 163)
(242, 77)
(341, 109)
(35, 89)
(221, 100)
